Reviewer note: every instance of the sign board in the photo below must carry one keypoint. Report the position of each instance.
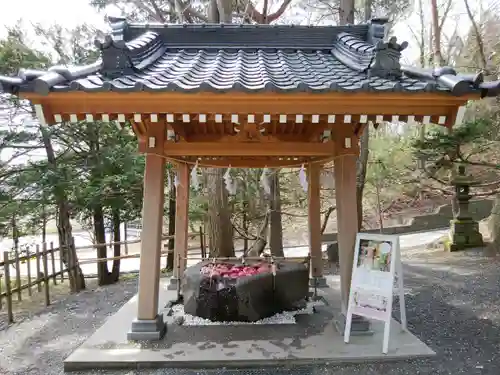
(376, 268)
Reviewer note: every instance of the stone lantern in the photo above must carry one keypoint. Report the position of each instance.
(464, 230)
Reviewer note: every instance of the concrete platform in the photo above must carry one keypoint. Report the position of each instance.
(314, 339)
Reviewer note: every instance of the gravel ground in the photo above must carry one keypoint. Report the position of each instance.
(39, 342)
(453, 305)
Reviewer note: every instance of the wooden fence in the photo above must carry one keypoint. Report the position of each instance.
(49, 270)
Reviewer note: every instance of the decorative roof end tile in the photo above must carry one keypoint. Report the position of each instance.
(456, 84)
(490, 89)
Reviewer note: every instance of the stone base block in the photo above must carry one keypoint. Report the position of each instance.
(360, 326)
(332, 251)
(464, 233)
(147, 330)
(318, 282)
(173, 284)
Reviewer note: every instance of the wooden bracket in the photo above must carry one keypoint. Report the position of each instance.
(249, 132)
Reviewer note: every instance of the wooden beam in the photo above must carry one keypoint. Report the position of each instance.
(249, 149)
(255, 162)
(234, 139)
(270, 103)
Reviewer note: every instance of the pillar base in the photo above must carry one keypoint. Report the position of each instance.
(360, 326)
(172, 285)
(147, 330)
(318, 282)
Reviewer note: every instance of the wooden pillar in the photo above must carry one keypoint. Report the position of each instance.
(314, 213)
(347, 214)
(149, 325)
(181, 220)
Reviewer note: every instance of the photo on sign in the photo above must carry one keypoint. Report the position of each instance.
(374, 255)
(370, 305)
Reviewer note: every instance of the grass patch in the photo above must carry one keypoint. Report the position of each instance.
(129, 276)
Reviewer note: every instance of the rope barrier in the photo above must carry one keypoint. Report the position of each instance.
(247, 258)
(182, 258)
(205, 165)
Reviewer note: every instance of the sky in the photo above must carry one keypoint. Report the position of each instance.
(48, 12)
(65, 12)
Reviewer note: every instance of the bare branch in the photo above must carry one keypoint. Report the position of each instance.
(445, 15)
(157, 11)
(258, 17)
(477, 34)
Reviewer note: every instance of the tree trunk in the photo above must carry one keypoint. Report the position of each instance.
(438, 56)
(44, 222)
(422, 33)
(276, 230)
(479, 38)
(125, 236)
(213, 12)
(15, 234)
(220, 227)
(494, 227)
(361, 172)
(171, 225)
(103, 275)
(260, 244)
(346, 12)
(225, 11)
(368, 9)
(422, 160)
(115, 271)
(64, 229)
(361, 165)
(325, 219)
(244, 226)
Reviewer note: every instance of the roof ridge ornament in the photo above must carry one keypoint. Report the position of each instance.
(116, 60)
(386, 59)
(123, 54)
(377, 29)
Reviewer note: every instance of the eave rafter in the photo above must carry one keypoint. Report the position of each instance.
(428, 104)
(251, 130)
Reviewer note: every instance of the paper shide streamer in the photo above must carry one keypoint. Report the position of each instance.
(228, 181)
(176, 180)
(194, 177)
(327, 179)
(303, 178)
(264, 180)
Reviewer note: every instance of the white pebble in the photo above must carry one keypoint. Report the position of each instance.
(286, 317)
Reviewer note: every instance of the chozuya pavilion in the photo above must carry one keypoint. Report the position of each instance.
(246, 96)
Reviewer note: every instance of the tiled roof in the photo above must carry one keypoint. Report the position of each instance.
(250, 58)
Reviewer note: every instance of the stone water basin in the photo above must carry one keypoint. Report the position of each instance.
(230, 291)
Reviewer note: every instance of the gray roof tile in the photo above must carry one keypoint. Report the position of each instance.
(248, 58)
